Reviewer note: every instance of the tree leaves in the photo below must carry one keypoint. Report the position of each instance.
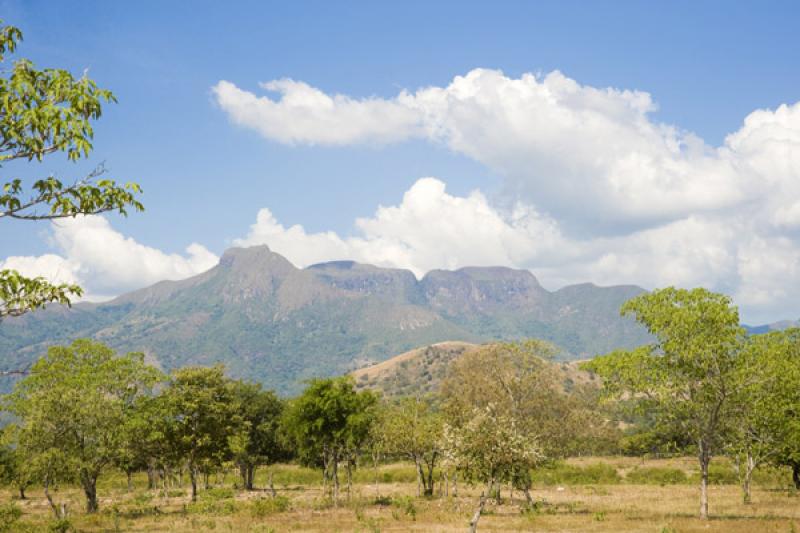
(19, 294)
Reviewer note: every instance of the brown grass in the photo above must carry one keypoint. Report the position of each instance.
(583, 508)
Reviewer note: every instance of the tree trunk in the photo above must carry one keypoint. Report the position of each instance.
(206, 477)
(129, 475)
(796, 474)
(336, 480)
(473, 524)
(749, 466)
(455, 485)
(21, 492)
(704, 459)
(247, 472)
(271, 486)
(193, 479)
(60, 513)
(528, 497)
(446, 484)
(375, 467)
(419, 476)
(429, 485)
(349, 471)
(325, 473)
(89, 485)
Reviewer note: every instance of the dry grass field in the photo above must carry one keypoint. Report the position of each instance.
(590, 494)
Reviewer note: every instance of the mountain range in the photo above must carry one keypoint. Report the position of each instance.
(272, 322)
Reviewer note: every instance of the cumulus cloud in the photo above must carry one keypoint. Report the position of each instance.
(592, 156)
(429, 229)
(105, 262)
(305, 114)
(599, 190)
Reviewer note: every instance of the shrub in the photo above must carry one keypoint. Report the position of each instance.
(722, 474)
(218, 493)
(212, 507)
(60, 526)
(564, 474)
(406, 504)
(142, 498)
(657, 476)
(266, 506)
(9, 514)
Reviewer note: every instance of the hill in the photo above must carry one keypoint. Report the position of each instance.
(421, 371)
(270, 321)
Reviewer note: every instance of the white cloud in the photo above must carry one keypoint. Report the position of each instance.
(307, 115)
(602, 192)
(429, 229)
(432, 229)
(592, 156)
(105, 262)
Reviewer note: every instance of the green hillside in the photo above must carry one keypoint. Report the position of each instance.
(270, 321)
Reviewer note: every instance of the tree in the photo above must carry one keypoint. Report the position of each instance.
(687, 377)
(410, 427)
(490, 448)
(43, 112)
(202, 416)
(519, 384)
(259, 440)
(15, 468)
(767, 427)
(504, 410)
(329, 422)
(72, 406)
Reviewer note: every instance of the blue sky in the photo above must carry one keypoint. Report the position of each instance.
(206, 174)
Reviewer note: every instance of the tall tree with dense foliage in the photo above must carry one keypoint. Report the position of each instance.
(259, 440)
(687, 378)
(43, 112)
(201, 416)
(72, 406)
(329, 422)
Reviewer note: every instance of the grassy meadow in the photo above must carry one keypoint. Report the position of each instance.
(596, 494)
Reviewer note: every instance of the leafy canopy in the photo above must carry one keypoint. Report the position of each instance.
(43, 112)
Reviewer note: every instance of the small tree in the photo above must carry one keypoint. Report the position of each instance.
(258, 442)
(43, 112)
(329, 422)
(688, 377)
(767, 428)
(410, 427)
(489, 448)
(72, 406)
(202, 416)
(15, 468)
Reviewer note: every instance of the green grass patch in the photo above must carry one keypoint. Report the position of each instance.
(267, 506)
(560, 473)
(656, 476)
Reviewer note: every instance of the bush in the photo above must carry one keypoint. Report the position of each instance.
(722, 474)
(218, 493)
(212, 507)
(142, 498)
(9, 514)
(657, 476)
(406, 504)
(564, 474)
(60, 526)
(266, 506)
